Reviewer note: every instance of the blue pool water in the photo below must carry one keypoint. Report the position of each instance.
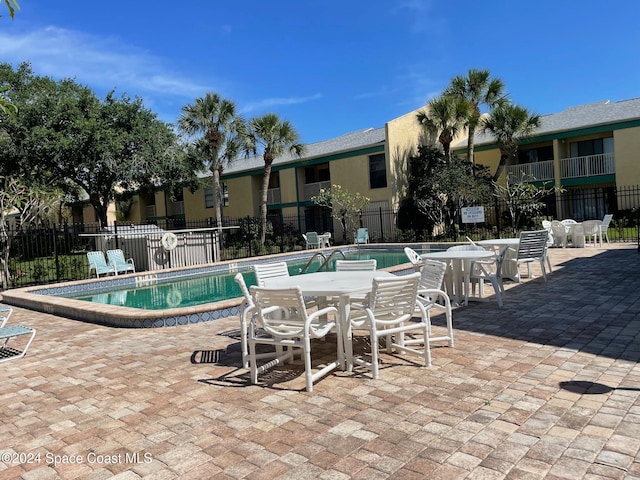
(190, 291)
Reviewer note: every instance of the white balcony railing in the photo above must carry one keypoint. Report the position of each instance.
(588, 166)
(313, 189)
(528, 172)
(575, 167)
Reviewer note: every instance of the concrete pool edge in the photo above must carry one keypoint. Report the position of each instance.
(125, 317)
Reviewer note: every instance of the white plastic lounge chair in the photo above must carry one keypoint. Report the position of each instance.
(7, 332)
(388, 313)
(98, 263)
(117, 260)
(362, 236)
(605, 226)
(294, 331)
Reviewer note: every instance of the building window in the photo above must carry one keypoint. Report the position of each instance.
(592, 147)
(377, 171)
(224, 194)
(540, 154)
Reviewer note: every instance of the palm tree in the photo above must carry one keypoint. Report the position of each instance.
(477, 88)
(275, 136)
(509, 124)
(222, 129)
(445, 117)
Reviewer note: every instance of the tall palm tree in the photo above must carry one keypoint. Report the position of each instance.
(274, 136)
(509, 124)
(477, 88)
(445, 117)
(222, 133)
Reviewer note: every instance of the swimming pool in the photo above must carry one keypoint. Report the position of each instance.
(176, 296)
(207, 288)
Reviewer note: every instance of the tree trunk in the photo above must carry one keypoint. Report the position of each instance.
(216, 198)
(501, 166)
(263, 202)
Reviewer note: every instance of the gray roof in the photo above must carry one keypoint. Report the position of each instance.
(581, 116)
(344, 143)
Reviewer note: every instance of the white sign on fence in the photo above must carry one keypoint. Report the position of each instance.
(472, 214)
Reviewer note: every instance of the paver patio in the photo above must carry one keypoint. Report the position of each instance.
(546, 387)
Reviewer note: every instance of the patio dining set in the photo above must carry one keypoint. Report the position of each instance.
(286, 312)
(563, 233)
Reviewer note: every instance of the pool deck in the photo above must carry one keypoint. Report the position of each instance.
(496, 406)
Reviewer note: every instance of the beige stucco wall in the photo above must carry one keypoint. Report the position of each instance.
(244, 193)
(194, 206)
(353, 175)
(403, 136)
(627, 157)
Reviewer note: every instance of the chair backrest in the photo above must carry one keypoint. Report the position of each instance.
(471, 241)
(558, 229)
(350, 265)
(96, 260)
(546, 224)
(239, 279)
(432, 275)
(270, 302)
(270, 270)
(312, 239)
(362, 235)
(606, 221)
(394, 298)
(568, 221)
(414, 257)
(532, 244)
(116, 257)
(591, 227)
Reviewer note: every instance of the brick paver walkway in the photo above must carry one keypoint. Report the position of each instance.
(546, 387)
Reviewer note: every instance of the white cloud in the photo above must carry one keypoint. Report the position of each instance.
(278, 101)
(104, 63)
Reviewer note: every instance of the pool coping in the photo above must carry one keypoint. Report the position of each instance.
(40, 297)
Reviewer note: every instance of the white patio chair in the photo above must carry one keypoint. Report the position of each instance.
(532, 248)
(560, 233)
(312, 240)
(98, 263)
(490, 270)
(592, 231)
(431, 295)
(414, 257)
(264, 271)
(362, 236)
(388, 313)
(119, 263)
(605, 227)
(347, 265)
(546, 224)
(247, 310)
(270, 270)
(295, 331)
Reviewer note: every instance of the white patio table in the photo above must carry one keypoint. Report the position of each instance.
(343, 285)
(324, 239)
(459, 270)
(509, 267)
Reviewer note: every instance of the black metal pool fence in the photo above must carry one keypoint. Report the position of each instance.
(58, 252)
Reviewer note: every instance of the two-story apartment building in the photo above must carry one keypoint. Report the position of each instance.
(588, 150)
(592, 148)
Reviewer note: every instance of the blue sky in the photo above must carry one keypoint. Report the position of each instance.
(330, 67)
